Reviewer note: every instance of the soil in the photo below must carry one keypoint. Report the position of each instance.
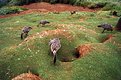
(108, 38)
(46, 7)
(27, 76)
(56, 7)
(82, 50)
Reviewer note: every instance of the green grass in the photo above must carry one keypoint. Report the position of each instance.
(105, 5)
(11, 9)
(103, 62)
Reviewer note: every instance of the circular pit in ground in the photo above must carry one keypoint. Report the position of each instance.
(78, 52)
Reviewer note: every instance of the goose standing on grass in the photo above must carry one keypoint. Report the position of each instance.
(55, 45)
(107, 27)
(25, 32)
(43, 22)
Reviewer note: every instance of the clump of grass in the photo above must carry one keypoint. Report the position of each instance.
(112, 6)
(97, 5)
(82, 3)
(11, 9)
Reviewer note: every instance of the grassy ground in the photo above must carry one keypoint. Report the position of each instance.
(103, 62)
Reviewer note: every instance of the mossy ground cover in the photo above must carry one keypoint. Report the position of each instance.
(17, 56)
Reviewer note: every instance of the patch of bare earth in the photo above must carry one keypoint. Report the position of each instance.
(82, 50)
(27, 76)
(111, 39)
(25, 12)
(56, 7)
(108, 38)
(46, 7)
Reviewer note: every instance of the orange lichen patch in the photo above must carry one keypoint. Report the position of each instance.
(108, 38)
(27, 76)
(83, 50)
